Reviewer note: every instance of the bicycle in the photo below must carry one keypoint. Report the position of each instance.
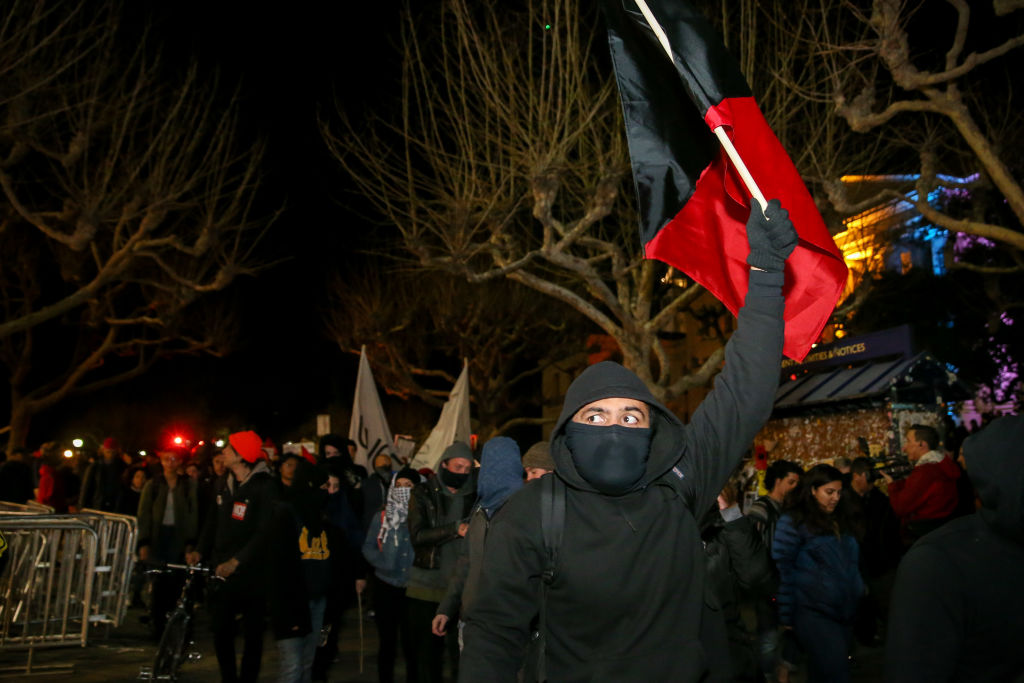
(176, 645)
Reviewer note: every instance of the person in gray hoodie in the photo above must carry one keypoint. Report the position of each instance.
(958, 605)
(439, 512)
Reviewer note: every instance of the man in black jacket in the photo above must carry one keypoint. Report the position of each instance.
(957, 607)
(236, 542)
(439, 511)
(627, 597)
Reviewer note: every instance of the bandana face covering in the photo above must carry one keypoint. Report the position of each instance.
(611, 459)
(453, 479)
(395, 513)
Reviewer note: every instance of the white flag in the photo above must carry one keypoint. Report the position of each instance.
(453, 425)
(369, 427)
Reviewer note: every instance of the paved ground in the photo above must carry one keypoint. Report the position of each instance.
(119, 657)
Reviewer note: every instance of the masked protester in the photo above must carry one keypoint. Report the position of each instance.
(389, 550)
(501, 475)
(438, 521)
(350, 568)
(626, 602)
(302, 573)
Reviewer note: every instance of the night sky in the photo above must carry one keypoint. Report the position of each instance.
(291, 61)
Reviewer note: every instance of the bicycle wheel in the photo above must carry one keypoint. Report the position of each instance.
(171, 651)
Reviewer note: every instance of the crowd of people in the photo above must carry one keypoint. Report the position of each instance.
(617, 550)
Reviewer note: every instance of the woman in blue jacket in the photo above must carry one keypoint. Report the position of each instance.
(389, 549)
(819, 581)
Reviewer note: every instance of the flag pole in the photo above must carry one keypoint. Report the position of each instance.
(723, 137)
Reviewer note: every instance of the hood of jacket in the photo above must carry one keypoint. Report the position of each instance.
(610, 380)
(261, 466)
(995, 464)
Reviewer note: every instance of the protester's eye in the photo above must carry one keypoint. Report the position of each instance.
(631, 419)
(595, 418)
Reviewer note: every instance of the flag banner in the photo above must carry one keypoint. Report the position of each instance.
(452, 426)
(369, 426)
(693, 205)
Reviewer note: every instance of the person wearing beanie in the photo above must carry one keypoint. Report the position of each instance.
(537, 461)
(335, 453)
(235, 541)
(439, 511)
(346, 535)
(388, 549)
(501, 475)
(307, 562)
(627, 601)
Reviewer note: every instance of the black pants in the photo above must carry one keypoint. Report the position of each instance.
(428, 649)
(166, 587)
(226, 602)
(389, 609)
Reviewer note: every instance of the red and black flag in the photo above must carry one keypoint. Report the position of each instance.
(693, 205)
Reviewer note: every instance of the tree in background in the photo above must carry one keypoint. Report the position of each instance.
(126, 205)
(508, 162)
(935, 82)
(418, 328)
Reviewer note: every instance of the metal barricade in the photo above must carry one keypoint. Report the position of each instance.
(46, 589)
(115, 559)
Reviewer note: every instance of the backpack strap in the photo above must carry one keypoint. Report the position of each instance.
(552, 521)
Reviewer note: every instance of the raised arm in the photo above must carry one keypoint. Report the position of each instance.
(725, 423)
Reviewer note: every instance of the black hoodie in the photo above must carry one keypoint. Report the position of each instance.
(626, 600)
(958, 603)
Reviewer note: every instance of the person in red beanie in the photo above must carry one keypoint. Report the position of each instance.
(234, 541)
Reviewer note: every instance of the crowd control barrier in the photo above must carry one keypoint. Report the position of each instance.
(115, 559)
(64, 573)
(46, 586)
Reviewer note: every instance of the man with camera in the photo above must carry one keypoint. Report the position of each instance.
(927, 498)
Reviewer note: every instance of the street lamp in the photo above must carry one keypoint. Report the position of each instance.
(77, 443)
(219, 443)
(69, 453)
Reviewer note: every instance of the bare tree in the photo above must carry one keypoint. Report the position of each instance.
(126, 199)
(943, 96)
(418, 328)
(508, 161)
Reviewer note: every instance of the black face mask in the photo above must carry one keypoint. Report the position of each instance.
(384, 473)
(453, 479)
(611, 459)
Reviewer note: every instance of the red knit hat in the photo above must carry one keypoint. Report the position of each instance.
(111, 444)
(248, 445)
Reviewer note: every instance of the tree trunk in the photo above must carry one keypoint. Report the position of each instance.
(21, 419)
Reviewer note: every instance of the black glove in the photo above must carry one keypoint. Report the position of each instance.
(772, 240)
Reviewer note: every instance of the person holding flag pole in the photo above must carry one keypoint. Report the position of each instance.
(606, 552)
